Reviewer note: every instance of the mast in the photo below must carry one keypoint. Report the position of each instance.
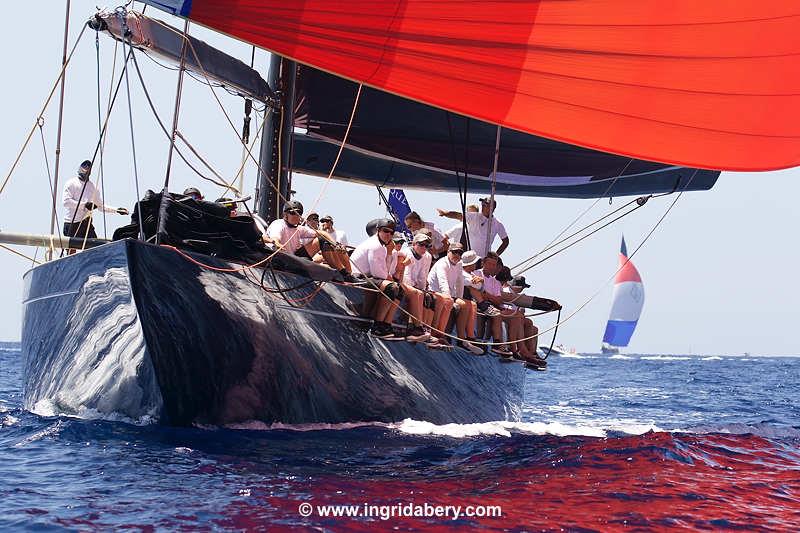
(60, 120)
(273, 182)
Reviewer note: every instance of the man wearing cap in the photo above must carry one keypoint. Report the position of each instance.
(421, 302)
(447, 277)
(193, 193)
(491, 293)
(371, 259)
(473, 284)
(482, 226)
(80, 198)
(338, 235)
(439, 242)
(288, 234)
(526, 349)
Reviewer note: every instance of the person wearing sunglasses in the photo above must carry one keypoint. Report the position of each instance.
(447, 278)
(482, 227)
(413, 264)
(439, 242)
(290, 234)
(337, 234)
(371, 259)
(81, 197)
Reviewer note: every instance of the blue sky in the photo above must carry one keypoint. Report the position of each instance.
(720, 273)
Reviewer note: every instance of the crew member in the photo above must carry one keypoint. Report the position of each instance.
(337, 234)
(80, 198)
(371, 259)
(415, 283)
(288, 233)
(479, 228)
(415, 223)
(447, 278)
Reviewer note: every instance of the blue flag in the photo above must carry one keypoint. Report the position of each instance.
(398, 205)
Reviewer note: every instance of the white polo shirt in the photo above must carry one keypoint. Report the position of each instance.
(490, 283)
(371, 259)
(291, 238)
(339, 236)
(478, 227)
(74, 201)
(447, 278)
(416, 273)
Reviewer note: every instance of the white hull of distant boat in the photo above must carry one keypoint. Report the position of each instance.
(557, 350)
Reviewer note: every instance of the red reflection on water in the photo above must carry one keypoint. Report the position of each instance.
(653, 481)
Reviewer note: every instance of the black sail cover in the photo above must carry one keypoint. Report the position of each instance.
(396, 142)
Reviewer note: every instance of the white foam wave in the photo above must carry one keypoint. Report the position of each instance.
(578, 356)
(50, 430)
(500, 428)
(712, 358)
(665, 358)
(620, 356)
(8, 420)
(49, 408)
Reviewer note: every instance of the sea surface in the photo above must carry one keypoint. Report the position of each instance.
(630, 443)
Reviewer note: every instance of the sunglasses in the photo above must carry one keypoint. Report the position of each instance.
(457, 252)
(426, 245)
(387, 230)
(294, 212)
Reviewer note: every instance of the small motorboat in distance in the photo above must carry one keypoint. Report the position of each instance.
(558, 349)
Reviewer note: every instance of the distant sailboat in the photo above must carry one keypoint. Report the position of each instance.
(626, 307)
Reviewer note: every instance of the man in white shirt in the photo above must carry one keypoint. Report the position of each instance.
(288, 234)
(371, 259)
(421, 303)
(480, 230)
(492, 290)
(447, 278)
(80, 198)
(526, 349)
(439, 242)
(337, 234)
(455, 233)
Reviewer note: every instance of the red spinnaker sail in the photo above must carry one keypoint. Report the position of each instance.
(707, 84)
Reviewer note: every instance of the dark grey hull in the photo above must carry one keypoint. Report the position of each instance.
(138, 330)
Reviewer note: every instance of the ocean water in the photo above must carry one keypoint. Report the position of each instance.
(637, 442)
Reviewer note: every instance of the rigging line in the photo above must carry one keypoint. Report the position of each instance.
(99, 129)
(57, 162)
(555, 334)
(570, 245)
(599, 290)
(246, 126)
(41, 113)
(13, 251)
(177, 109)
(461, 197)
(221, 106)
(630, 257)
(642, 199)
(282, 245)
(124, 24)
(49, 176)
(580, 216)
(166, 132)
(464, 227)
(489, 234)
